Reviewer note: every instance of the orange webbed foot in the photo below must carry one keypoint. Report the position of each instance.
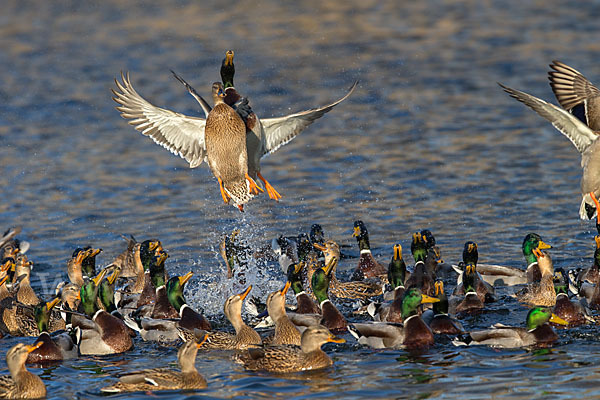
(223, 193)
(254, 189)
(273, 194)
(595, 200)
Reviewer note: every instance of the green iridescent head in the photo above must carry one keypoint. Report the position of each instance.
(411, 301)
(175, 287)
(418, 247)
(320, 280)
(538, 316)
(470, 254)
(397, 268)
(157, 269)
(441, 307)
(89, 293)
(227, 70)
(362, 235)
(41, 313)
(294, 276)
(533, 241)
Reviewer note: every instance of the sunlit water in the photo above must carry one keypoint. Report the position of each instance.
(428, 140)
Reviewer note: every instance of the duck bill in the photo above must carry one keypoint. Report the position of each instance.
(319, 246)
(200, 343)
(558, 320)
(162, 258)
(6, 266)
(285, 288)
(3, 280)
(82, 255)
(113, 277)
(329, 267)
(542, 245)
(439, 288)
(298, 267)
(597, 239)
(335, 339)
(428, 299)
(356, 231)
(50, 305)
(245, 292)
(229, 58)
(397, 252)
(94, 252)
(185, 278)
(34, 346)
(99, 277)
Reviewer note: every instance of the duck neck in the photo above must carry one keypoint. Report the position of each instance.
(363, 242)
(235, 317)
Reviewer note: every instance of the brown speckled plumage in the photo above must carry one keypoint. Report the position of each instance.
(21, 384)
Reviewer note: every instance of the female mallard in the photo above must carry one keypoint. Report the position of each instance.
(285, 331)
(21, 384)
(367, 267)
(244, 335)
(165, 378)
(307, 356)
(538, 332)
(25, 293)
(103, 333)
(347, 290)
(573, 90)
(541, 293)
(413, 333)
(56, 347)
(439, 321)
(186, 136)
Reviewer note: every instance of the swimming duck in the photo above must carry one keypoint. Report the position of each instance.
(581, 135)
(150, 380)
(391, 311)
(285, 331)
(420, 277)
(541, 293)
(439, 321)
(283, 359)
(21, 384)
(125, 261)
(103, 333)
(471, 280)
(367, 267)
(56, 347)
(10, 245)
(533, 241)
(413, 333)
(537, 333)
(185, 136)
(305, 304)
(348, 290)
(244, 335)
(330, 316)
(571, 311)
(25, 293)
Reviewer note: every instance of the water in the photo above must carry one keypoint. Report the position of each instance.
(428, 140)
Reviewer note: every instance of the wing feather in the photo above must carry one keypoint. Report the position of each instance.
(178, 133)
(279, 131)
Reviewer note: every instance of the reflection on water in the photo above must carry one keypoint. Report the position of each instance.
(428, 140)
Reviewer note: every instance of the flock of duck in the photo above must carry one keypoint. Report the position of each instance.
(102, 311)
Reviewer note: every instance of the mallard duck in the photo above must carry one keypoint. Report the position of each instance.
(347, 290)
(391, 311)
(471, 280)
(589, 275)
(244, 335)
(420, 276)
(10, 245)
(541, 293)
(305, 304)
(88, 264)
(150, 380)
(56, 347)
(103, 333)
(571, 311)
(25, 293)
(185, 135)
(537, 333)
(153, 275)
(367, 267)
(125, 261)
(439, 321)
(289, 358)
(470, 303)
(581, 135)
(21, 384)
(329, 315)
(285, 331)
(413, 333)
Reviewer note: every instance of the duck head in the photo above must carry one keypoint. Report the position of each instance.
(418, 247)
(175, 287)
(470, 254)
(538, 316)
(227, 69)
(397, 268)
(362, 235)
(89, 292)
(320, 280)
(217, 92)
(294, 276)
(533, 241)
(413, 298)
(41, 314)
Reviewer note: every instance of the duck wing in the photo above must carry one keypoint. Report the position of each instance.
(279, 131)
(178, 133)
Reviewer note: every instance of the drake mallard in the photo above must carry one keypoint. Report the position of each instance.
(102, 333)
(305, 303)
(471, 280)
(346, 290)
(307, 356)
(420, 276)
(391, 310)
(244, 336)
(571, 311)
(541, 293)
(21, 384)
(537, 333)
(150, 380)
(367, 267)
(439, 321)
(412, 333)
(285, 330)
(185, 136)
(56, 347)
(573, 89)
